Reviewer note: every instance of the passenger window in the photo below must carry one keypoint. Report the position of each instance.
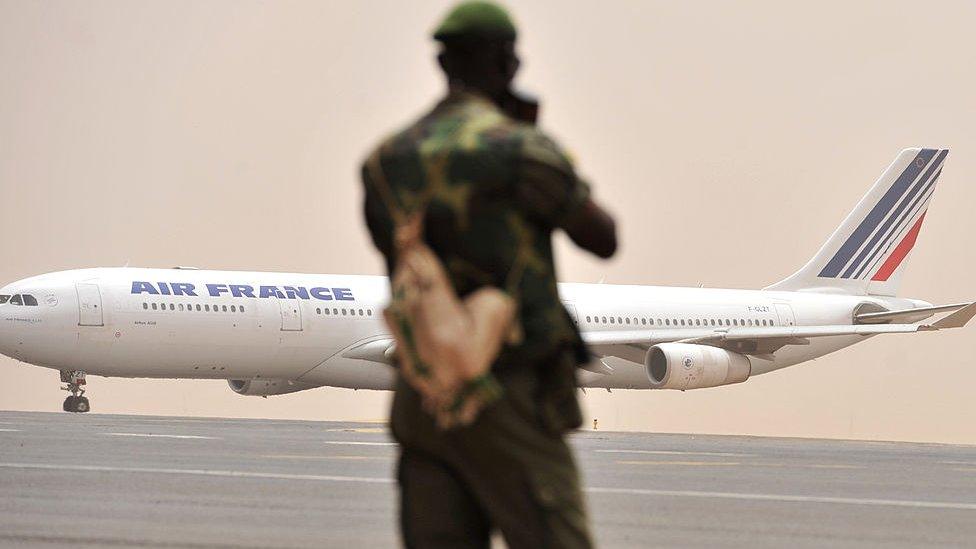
(668, 322)
(223, 308)
(361, 313)
(233, 308)
(335, 311)
(172, 307)
(318, 310)
(588, 319)
(145, 305)
(628, 320)
(154, 306)
(369, 312)
(206, 307)
(198, 306)
(181, 306)
(242, 308)
(643, 322)
(611, 320)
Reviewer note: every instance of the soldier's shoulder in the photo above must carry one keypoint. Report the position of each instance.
(537, 146)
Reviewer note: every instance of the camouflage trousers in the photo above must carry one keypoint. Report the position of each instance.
(510, 470)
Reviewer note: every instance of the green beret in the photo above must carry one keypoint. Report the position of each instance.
(476, 19)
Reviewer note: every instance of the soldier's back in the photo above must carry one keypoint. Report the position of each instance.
(493, 189)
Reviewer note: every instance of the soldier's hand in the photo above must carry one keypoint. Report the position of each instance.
(592, 229)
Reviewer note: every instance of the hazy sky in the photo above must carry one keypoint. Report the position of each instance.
(729, 138)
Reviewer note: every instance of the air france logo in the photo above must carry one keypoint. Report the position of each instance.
(243, 290)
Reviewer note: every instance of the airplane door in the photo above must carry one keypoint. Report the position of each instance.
(572, 312)
(291, 315)
(785, 313)
(89, 305)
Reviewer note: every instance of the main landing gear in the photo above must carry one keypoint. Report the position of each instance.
(76, 402)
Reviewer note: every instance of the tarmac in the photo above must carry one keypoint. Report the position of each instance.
(70, 480)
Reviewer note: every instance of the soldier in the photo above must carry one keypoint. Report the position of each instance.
(494, 188)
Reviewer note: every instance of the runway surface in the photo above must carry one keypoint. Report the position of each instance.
(74, 480)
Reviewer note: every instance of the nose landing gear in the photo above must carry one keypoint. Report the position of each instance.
(76, 402)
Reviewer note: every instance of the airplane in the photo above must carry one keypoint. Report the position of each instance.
(277, 333)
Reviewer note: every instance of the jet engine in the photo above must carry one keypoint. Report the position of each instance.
(685, 366)
(267, 387)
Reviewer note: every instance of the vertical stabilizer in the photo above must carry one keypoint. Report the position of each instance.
(868, 253)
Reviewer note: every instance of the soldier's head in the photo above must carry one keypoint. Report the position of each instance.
(478, 48)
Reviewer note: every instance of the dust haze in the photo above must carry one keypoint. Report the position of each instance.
(730, 139)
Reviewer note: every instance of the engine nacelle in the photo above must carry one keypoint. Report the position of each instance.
(685, 366)
(266, 387)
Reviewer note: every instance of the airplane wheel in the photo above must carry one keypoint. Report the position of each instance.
(69, 404)
(81, 405)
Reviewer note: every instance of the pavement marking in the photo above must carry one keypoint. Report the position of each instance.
(357, 443)
(745, 496)
(971, 463)
(736, 463)
(361, 458)
(195, 472)
(358, 430)
(9, 430)
(788, 498)
(683, 463)
(673, 453)
(809, 465)
(152, 435)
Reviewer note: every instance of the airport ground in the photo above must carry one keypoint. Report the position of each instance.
(98, 480)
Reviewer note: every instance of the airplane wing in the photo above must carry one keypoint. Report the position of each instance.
(758, 341)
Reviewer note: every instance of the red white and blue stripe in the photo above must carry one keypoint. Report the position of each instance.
(883, 239)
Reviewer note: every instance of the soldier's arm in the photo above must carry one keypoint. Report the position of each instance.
(549, 188)
(592, 229)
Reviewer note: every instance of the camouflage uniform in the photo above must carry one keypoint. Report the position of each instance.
(497, 188)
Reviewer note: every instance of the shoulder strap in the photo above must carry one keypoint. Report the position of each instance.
(383, 187)
(402, 220)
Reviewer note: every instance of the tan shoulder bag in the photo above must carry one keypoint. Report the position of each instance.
(445, 345)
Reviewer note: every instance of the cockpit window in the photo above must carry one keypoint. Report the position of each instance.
(16, 300)
(30, 300)
(4, 299)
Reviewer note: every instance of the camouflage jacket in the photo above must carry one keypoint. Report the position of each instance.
(493, 188)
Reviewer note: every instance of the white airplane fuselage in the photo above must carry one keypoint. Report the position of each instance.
(200, 324)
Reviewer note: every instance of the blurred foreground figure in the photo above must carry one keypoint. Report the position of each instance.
(465, 200)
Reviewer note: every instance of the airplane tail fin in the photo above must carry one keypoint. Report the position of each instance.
(868, 253)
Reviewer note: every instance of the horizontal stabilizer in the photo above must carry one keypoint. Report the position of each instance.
(911, 315)
(957, 319)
